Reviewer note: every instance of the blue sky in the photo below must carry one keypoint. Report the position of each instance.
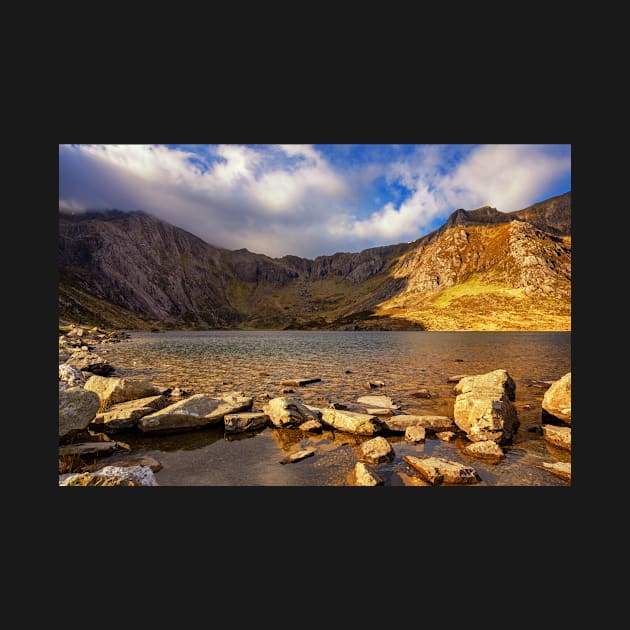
(309, 200)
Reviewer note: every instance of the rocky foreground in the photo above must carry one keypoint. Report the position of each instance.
(95, 407)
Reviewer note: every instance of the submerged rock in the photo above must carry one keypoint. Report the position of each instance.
(298, 456)
(299, 382)
(383, 402)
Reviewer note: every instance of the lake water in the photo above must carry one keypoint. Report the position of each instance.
(255, 362)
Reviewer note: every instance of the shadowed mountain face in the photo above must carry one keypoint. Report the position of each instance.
(483, 269)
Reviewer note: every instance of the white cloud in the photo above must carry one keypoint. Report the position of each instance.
(281, 199)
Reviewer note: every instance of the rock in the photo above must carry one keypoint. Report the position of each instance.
(384, 402)
(485, 418)
(483, 407)
(365, 477)
(82, 449)
(377, 411)
(490, 385)
(113, 390)
(89, 362)
(456, 378)
(421, 393)
(487, 449)
(373, 384)
(71, 375)
(399, 424)
(445, 436)
(415, 434)
(197, 411)
(298, 456)
(288, 412)
(376, 451)
(299, 382)
(287, 390)
(311, 426)
(558, 436)
(134, 460)
(77, 408)
(112, 476)
(557, 399)
(559, 469)
(245, 421)
(437, 470)
(125, 415)
(352, 422)
(178, 392)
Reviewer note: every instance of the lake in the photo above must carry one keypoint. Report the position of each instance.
(256, 362)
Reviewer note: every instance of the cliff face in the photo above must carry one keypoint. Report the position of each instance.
(134, 271)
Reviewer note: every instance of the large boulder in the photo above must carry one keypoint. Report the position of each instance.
(491, 384)
(483, 407)
(351, 422)
(194, 412)
(288, 412)
(77, 408)
(71, 376)
(557, 399)
(125, 415)
(112, 390)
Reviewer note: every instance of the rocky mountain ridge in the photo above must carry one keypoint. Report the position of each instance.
(130, 270)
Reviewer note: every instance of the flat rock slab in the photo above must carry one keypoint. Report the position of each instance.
(485, 450)
(378, 411)
(194, 412)
(298, 456)
(558, 436)
(352, 422)
(364, 476)
(83, 449)
(399, 424)
(438, 471)
(125, 415)
(559, 469)
(384, 402)
(245, 421)
(299, 382)
(113, 390)
(377, 451)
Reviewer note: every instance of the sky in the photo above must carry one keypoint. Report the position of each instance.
(309, 200)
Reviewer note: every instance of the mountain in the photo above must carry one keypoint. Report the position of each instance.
(482, 269)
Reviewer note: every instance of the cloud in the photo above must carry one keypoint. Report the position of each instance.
(302, 199)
